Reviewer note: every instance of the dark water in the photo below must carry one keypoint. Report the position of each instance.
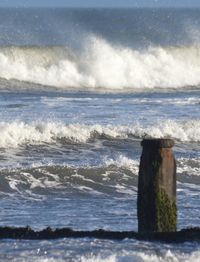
(79, 90)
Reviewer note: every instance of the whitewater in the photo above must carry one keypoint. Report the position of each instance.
(100, 65)
(19, 133)
(79, 90)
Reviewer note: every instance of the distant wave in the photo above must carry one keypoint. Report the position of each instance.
(17, 134)
(102, 66)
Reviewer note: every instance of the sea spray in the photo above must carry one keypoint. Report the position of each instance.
(101, 65)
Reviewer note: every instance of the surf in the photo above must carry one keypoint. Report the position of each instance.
(100, 65)
(15, 134)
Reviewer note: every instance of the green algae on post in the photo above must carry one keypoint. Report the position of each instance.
(166, 213)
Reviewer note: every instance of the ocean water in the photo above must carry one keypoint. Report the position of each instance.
(79, 90)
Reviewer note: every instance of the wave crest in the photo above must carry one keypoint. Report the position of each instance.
(101, 65)
(15, 134)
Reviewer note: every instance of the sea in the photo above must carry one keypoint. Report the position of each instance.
(79, 90)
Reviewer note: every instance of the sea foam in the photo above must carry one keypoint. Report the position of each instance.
(145, 256)
(15, 134)
(101, 65)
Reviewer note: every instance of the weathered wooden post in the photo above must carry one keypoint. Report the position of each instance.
(156, 205)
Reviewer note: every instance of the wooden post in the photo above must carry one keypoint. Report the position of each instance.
(156, 205)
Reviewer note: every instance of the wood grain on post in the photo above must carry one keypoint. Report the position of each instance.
(156, 204)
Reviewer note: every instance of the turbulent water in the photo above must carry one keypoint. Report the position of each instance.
(79, 90)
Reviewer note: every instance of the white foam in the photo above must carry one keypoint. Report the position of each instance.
(123, 161)
(186, 131)
(189, 166)
(102, 65)
(146, 257)
(18, 133)
(15, 134)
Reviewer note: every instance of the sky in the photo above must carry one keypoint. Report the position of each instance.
(99, 3)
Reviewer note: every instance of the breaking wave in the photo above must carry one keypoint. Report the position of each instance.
(100, 65)
(16, 134)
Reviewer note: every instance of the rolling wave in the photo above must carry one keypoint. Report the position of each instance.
(45, 179)
(100, 65)
(111, 176)
(15, 134)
